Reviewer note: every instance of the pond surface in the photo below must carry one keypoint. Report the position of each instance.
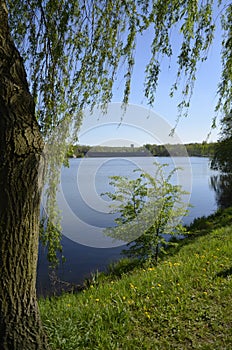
(86, 212)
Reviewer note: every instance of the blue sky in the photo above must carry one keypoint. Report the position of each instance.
(194, 128)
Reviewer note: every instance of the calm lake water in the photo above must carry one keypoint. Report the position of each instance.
(86, 212)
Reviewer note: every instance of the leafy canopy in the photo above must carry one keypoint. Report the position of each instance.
(222, 158)
(222, 161)
(73, 49)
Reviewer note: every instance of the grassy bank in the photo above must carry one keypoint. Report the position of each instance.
(183, 303)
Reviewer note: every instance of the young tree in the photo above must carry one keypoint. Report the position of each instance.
(149, 209)
(70, 51)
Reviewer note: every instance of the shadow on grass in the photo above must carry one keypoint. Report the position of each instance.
(201, 227)
(225, 273)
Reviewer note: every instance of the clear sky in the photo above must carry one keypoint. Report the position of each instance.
(194, 128)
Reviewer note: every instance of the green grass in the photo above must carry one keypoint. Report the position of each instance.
(183, 303)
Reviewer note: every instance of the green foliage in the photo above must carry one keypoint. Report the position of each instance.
(72, 51)
(193, 149)
(221, 218)
(150, 207)
(183, 303)
(77, 151)
(225, 84)
(222, 185)
(203, 149)
(222, 157)
(222, 161)
(54, 247)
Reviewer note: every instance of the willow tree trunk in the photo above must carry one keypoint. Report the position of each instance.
(20, 152)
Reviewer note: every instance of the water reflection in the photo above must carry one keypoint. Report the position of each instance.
(81, 260)
(222, 185)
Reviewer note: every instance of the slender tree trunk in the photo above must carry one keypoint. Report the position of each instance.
(157, 246)
(21, 147)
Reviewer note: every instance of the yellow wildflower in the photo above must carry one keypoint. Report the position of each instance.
(147, 315)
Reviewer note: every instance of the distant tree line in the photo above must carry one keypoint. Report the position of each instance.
(203, 149)
(79, 151)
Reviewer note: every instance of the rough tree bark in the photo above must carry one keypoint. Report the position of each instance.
(21, 147)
